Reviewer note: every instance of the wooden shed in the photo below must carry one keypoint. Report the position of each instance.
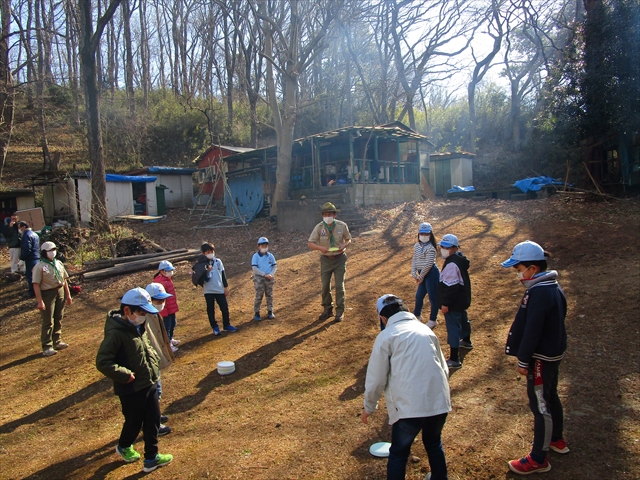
(176, 182)
(16, 199)
(449, 169)
(126, 195)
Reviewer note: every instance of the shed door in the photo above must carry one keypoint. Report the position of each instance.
(443, 176)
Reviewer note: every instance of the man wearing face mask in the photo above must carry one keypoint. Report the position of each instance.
(29, 253)
(331, 238)
(127, 357)
(51, 288)
(454, 297)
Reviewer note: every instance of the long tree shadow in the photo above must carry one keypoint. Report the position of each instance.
(55, 408)
(246, 366)
(20, 361)
(64, 468)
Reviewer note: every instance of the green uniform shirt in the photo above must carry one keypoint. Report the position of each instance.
(321, 236)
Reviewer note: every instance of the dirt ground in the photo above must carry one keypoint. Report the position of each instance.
(291, 410)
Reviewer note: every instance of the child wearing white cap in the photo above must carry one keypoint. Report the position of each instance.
(538, 339)
(264, 268)
(163, 277)
(127, 357)
(159, 340)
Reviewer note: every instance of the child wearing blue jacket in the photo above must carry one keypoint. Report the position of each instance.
(264, 268)
(538, 339)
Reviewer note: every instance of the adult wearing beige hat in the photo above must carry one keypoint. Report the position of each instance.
(51, 286)
(331, 238)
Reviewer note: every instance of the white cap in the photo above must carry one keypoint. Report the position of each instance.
(386, 299)
(48, 246)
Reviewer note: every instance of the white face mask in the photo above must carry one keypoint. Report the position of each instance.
(159, 307)
(168, 273)
(444, 253)
(264, 250)
(521, 276)
(424, 238)
(137, 320)
(328, 220)
(51, 255)
(211, 256)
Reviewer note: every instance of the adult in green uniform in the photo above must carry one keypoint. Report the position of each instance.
(331, 238)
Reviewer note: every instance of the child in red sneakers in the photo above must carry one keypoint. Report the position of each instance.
(538, 339)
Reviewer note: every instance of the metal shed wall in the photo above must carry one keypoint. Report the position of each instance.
(179, 192)
(120, 199)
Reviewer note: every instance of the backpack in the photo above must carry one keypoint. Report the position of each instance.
(198, 272)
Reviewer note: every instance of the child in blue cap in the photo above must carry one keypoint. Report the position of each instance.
(538, 339)
(425, 272)
(454, 297)
(127, 357)
(264, 268)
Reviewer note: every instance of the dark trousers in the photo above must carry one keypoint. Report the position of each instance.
(428, 286)
(170, 324)
(141, 410)
(211, 299)
(403, 432)
(51, 317)
(29, 264)
(548, 417)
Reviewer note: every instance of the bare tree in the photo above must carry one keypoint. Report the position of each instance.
(6, 86)
(496, 32)
(128, 63)
(441, 24)
(294, 34)
(41, 38)
(89, 41)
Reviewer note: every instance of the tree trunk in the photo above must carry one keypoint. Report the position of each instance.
(71, 42)
(6, 86)
(40, 39)
(144, 55)
(126, 19)
(88, 46)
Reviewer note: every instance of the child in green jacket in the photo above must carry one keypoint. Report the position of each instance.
(127, 358)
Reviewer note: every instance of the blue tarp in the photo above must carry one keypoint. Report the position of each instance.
(172, 170)
(456, 188)
(111, 177)
(534, 184)
(246, 191)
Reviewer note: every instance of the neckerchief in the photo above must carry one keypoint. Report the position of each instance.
(332, 242)
(56, 272)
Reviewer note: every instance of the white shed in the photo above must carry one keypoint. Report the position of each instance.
(178, 182)
(126, 195)
(449, 169)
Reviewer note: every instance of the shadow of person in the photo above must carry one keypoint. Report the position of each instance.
(56, 408)
(357, 388)
(66, 467)
(246, 366)
(20, 361)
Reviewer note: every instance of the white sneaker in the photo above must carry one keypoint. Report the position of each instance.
(49, 352)
(175, 342)
(432, 324)
(174, 349)
(60, 346)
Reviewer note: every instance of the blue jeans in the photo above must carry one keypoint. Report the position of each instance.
(429, 286)
(403, 432)
(458, 326)
(170, 324)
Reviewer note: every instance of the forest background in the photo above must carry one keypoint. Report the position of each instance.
(115, 84)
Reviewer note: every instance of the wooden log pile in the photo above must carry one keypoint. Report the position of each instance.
(111, 267)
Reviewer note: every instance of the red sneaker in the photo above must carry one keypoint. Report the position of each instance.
(559, 446)
(527, 465)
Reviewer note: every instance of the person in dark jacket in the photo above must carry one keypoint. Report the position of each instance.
(454, 297)
(12, 235)
(29, 253)
(538, 339)
(127, 357)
